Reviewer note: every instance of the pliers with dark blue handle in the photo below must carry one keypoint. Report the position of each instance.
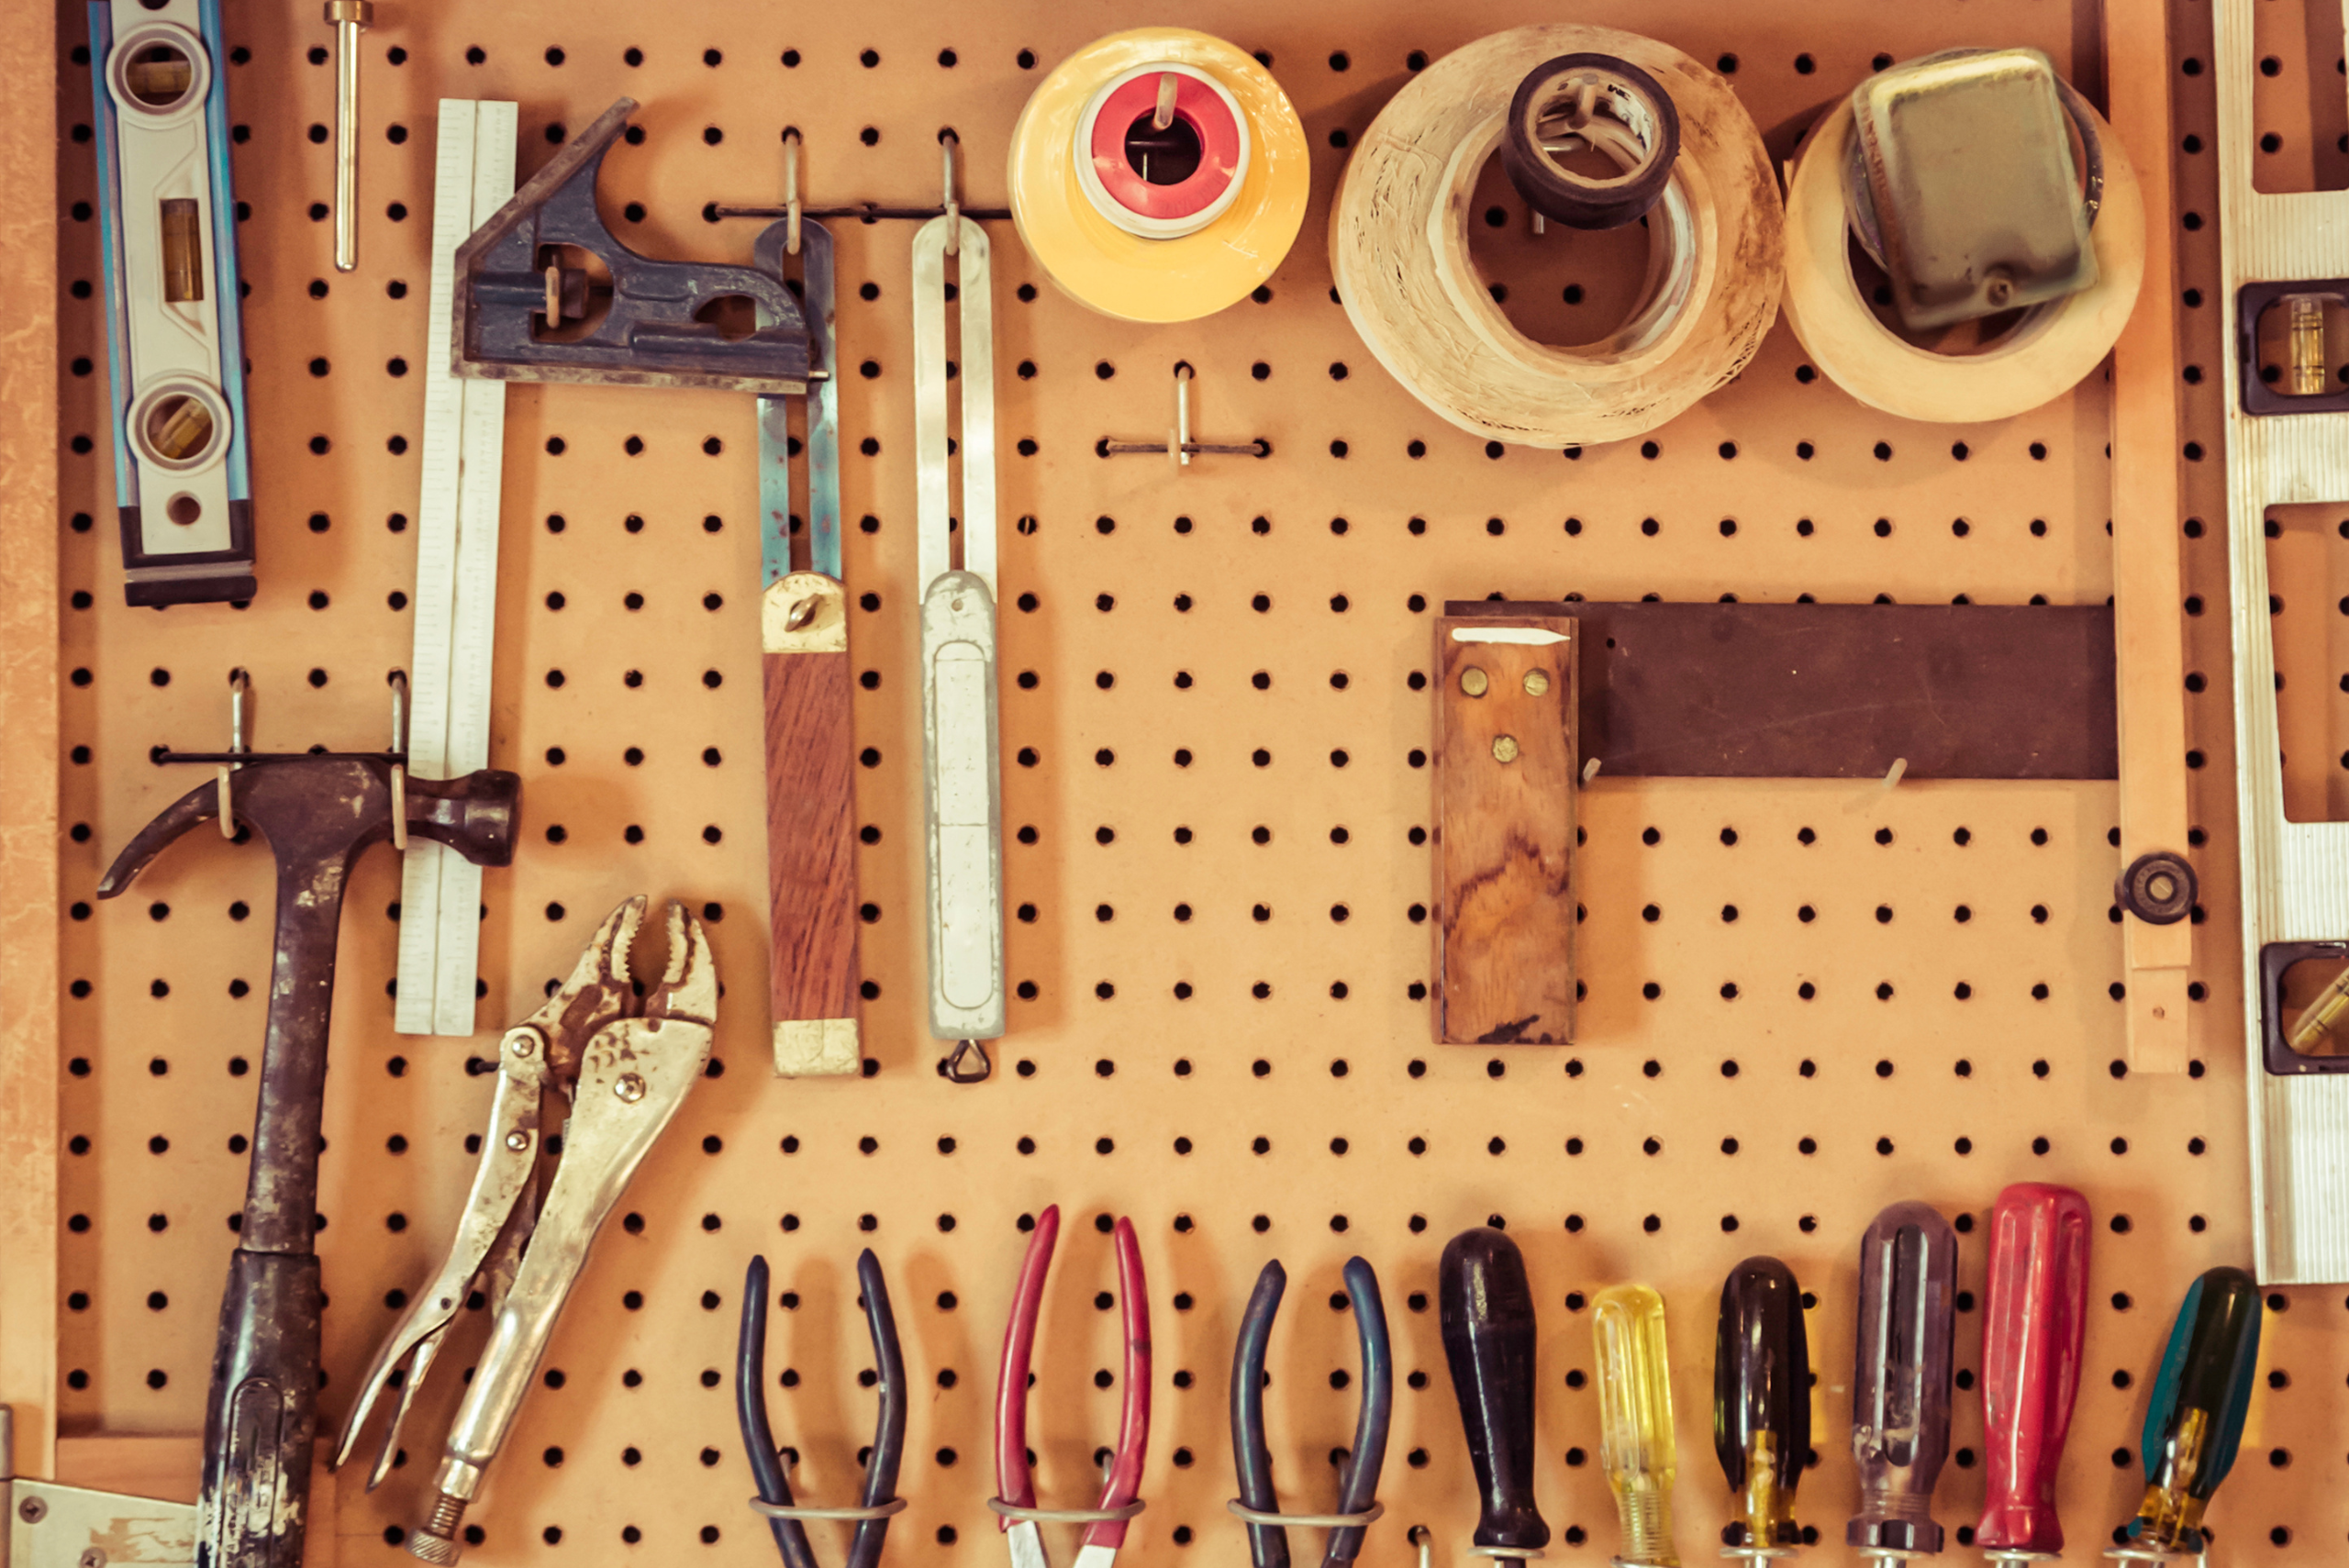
(1358, 1480)
(758, 1438)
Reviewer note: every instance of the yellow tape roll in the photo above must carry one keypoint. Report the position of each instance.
(1399, 249)
(2048, 353)
(1134, 276)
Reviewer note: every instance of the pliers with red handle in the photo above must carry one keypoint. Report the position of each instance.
(1015, 1500)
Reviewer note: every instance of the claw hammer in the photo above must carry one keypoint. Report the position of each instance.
(318, 812)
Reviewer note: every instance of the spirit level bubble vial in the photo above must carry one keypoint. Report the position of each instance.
(174, 346)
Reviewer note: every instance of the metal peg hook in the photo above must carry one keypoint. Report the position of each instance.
(1182, 442)
(791, 189)
(397, 680)
(1163, 116)
(240, 685)
(948, 141)
(1424, 1539)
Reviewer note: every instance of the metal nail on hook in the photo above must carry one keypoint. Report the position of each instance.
(1163, 115)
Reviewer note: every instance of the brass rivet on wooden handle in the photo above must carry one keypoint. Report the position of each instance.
(1537, 682)
(1473, 682)
(1504, 748)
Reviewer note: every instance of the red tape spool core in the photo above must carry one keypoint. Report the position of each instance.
(1197, 106)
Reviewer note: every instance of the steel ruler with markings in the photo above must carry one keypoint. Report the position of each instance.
(456, 583)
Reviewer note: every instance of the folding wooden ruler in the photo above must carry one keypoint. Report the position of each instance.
(456, 583)
(2288, 442)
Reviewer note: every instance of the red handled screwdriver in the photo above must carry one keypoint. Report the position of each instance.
(2035, 1319)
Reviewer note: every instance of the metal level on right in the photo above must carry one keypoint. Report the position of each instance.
(2295, 875)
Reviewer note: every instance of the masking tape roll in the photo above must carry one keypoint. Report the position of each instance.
(1398, 249)
(2046, 354)
(1249, 138)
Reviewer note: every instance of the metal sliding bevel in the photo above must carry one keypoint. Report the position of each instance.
(174, 340)
(961, 774)
(805, 612)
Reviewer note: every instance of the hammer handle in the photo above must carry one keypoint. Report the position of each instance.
(261, 1417)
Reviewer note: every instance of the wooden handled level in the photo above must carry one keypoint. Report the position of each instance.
(811, 827)
(1504, 784)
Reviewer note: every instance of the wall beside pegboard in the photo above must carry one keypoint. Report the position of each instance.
(1804, 1000)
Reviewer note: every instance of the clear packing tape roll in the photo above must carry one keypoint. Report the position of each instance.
(1398, 249)
(1117, 240)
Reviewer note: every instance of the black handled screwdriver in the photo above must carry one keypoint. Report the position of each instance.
(1487, 1310)
(1761, 1403)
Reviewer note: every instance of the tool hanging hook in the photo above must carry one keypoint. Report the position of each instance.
(948, 141)
(240, 685)
(791, 190)
(397, 680)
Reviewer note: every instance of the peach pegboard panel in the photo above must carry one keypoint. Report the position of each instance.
(1805, 999)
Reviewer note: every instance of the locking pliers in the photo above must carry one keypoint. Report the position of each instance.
(625, 1070)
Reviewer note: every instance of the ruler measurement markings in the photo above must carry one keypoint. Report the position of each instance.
(456, 583)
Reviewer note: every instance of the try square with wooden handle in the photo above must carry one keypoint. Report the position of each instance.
(1504, 784)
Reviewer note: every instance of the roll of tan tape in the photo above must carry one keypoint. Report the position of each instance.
(1152, 222)
(1399, 249)
(2043, 355)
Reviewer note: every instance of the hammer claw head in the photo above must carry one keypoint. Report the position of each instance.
(198, 806)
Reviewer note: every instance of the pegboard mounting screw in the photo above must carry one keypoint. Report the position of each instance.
(32, 1510)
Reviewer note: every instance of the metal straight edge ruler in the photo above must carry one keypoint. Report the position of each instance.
(962, 779)
(810, 718)
(2285, 443)
(456, 583)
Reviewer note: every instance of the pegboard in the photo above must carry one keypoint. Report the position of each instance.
(1804, 1000)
